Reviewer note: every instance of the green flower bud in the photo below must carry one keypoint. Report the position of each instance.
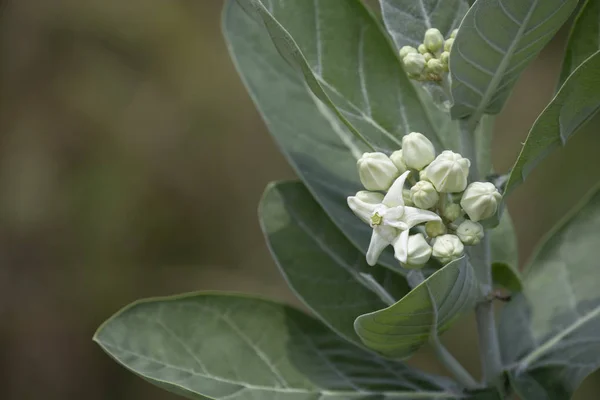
(435, 66)
(434, 40)
(422, 49)
(406, 50)
(424, 195)
(376, 171)
(448, 44)
(435, 229)
(452, 212)
(470, 233)
(407, 199)
(480, 200)
(447, 248)
(417, 150)
(445, 58)
(428, 56)
(454, 33)
(449, 172)
(419, 251)
(398, 161)
(414, 63)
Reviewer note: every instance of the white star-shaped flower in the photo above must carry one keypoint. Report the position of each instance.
(390, 219)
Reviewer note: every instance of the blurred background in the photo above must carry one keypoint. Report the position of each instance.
(131, 165)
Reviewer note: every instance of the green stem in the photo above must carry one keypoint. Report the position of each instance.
(467, 142)
(447, 359)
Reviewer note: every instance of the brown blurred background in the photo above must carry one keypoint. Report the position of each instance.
(131, 164)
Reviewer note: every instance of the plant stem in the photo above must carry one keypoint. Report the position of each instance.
(489, 348)
(458, 371)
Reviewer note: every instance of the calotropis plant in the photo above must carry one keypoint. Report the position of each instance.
(397, 225)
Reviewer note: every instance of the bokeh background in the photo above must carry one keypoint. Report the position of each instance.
(131, 164)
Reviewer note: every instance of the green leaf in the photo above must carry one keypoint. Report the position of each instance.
(549, 332)
(430, 308)
(407, 20)
(319, 147)
(496, 41)
(348, 63)
(319, 263)
(218, 346)
(505, 255)
(576, 103)
(584, 39)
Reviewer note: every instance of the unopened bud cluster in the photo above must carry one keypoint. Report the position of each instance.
(409, 202)
(429, 61)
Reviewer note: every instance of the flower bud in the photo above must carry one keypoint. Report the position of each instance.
(428, 56)
(406, 50)
(419, 251)
(424, 195)
(470, 233)
(480, 200)
(376, 171)
(447, 248)
(407, 199)
(398, 161)
(417, 150)
(452, 212)
(414, 63)
(454, 33)
(422, 49)
(434, 40)
(448, 44)
(435, 66)
(423, 176)
(435, 229)
(449, 172)
(445, 58)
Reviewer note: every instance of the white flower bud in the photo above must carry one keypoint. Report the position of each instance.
(435, 66)
(398, 161)
(435, 229)
(423, 176)
(452, 212)
(406, 50)
(414, 63)
(448, 44)
(449, 172)
(470, 233)
(422, 49)
(454, 33)
(376, 171)
(447, 248)
(434, 40)
(424, 195)
(417, 150)
(419, 251)
(428, 57)
(480, 200)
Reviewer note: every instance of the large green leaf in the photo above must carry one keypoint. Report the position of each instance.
(576, 103)
(218, 346)
(496, 41)
(407, 20)
(319, 147)
(584, 39)
(319, 263)
(430, 308)
(549, 333)
(348, 62)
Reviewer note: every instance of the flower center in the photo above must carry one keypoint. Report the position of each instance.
(376, 219)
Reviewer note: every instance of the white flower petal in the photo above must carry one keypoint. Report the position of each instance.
(381, 238)
(393, 198)
(415, 216)
(362, 209)
(401, 247)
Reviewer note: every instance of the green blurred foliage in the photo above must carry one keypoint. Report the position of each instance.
(131, 165)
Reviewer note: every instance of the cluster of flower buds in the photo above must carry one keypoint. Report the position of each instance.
(413, 189)
(428, 62)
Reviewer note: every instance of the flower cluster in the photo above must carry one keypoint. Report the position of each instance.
(428, 62)
(396, 202)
